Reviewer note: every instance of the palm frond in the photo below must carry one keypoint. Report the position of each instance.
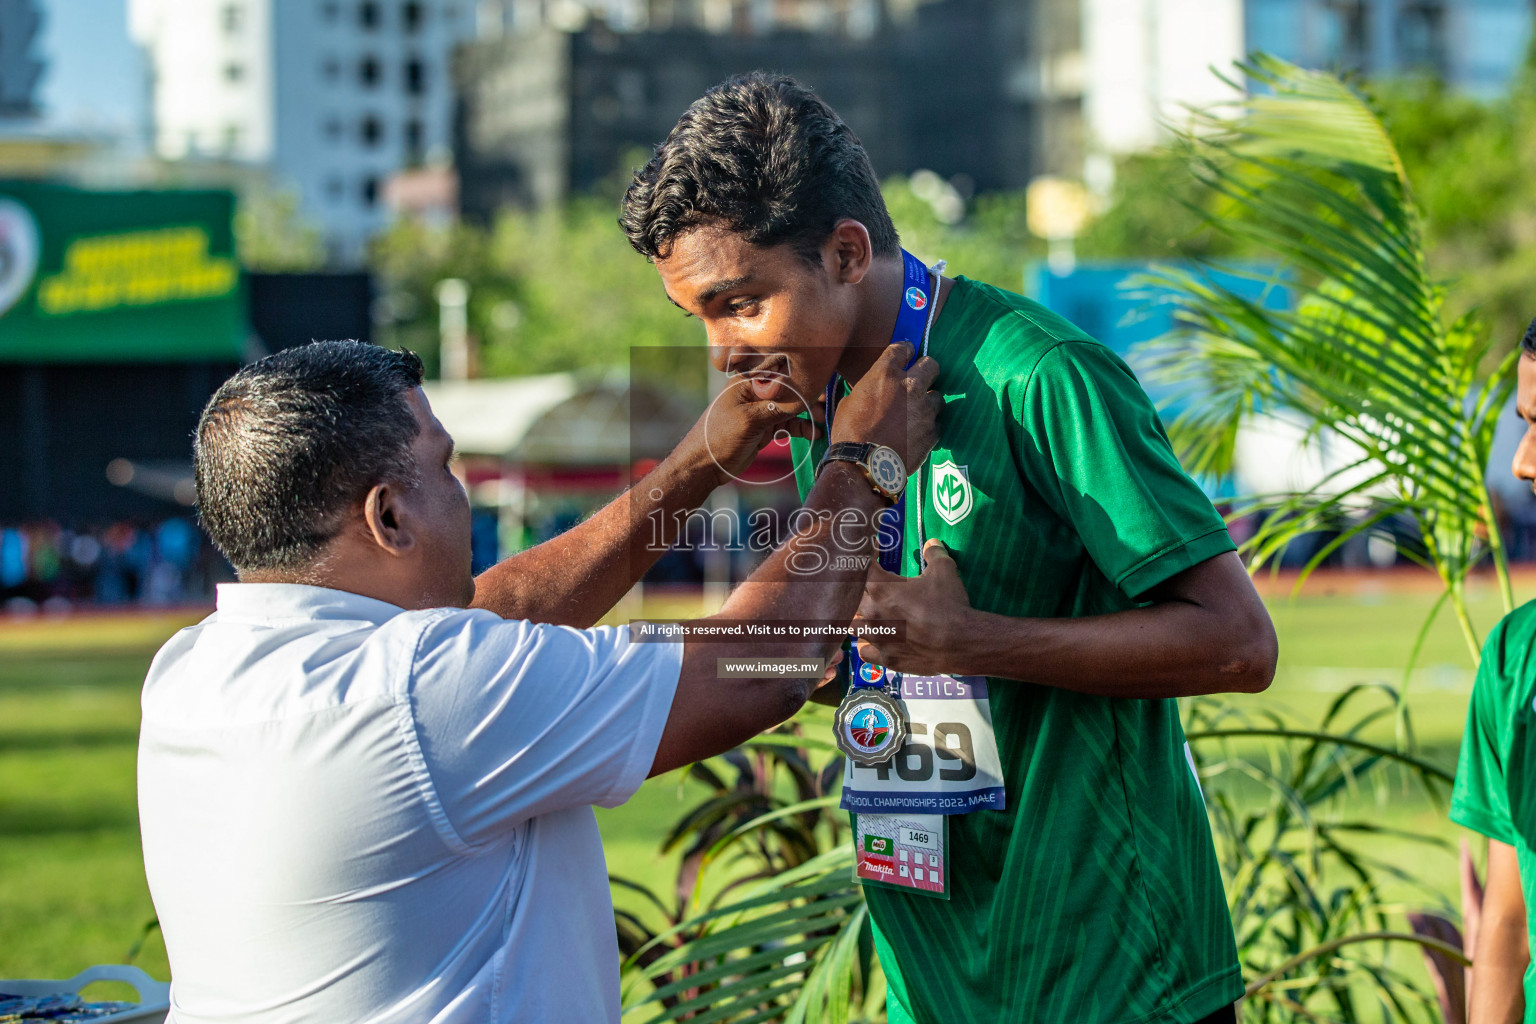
(789, 941)
(1306, 171)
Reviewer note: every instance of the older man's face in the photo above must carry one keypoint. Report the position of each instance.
(441, 561)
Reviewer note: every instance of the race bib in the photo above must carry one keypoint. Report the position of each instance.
(905, 851)
(949, 763)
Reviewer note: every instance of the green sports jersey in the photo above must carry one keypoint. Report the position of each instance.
(1095, 898)
(1495, 791)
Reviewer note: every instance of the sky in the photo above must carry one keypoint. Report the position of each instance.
(95, 80)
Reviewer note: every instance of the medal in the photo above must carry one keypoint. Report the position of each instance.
(871, 723)
(872, 719)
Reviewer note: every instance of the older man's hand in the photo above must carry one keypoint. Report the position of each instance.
(737, 425)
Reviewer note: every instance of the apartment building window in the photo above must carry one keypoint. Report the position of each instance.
(369, 71)
(231, 138)
(415, 76)
(415, 141)
(371, 131)
(368, 14)
(1346, 33)
(330, 69)
(333, 129)
(1421, 36)
(233, 17)
(370, 191)
(234, 72)
(411, 15)
(335, 189)
(629, 90)
(330, 12)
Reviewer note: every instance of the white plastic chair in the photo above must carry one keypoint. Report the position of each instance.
(154, 996)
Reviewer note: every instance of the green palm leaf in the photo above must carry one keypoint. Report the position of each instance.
(788, 945)
(1306, 171)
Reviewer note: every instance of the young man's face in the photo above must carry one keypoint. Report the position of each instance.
(1525, 403)
(768, 313)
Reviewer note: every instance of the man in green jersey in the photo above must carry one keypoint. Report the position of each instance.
(1077, 567)
(1492, 794)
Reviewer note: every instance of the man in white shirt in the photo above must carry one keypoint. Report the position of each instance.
(362, 800)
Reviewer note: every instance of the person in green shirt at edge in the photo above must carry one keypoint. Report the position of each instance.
(1492, 794)
(1091, 580)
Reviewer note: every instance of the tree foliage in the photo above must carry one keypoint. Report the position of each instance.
(1156, 209)
(1470, 163)
(990, 242)
(272, 236)
(560, 289)
(549, 291)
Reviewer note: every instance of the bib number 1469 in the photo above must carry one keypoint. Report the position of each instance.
(948, 763)
(951, 749)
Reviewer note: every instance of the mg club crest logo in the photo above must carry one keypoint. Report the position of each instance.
(916, 298)
(869, 728)
(18, 252)
(952, 496)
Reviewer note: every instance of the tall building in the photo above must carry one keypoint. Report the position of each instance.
(332, 97)
(1145, 62)
(969, 89)
(1476, 46)
(20, 68)
(854, 18)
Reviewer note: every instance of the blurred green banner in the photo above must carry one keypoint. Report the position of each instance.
(117, 276)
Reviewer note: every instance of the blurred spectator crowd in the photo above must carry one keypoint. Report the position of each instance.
(48, 567)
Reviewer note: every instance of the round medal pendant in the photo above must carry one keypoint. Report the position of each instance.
(871, 725)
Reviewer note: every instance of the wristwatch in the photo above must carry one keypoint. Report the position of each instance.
(886, 472)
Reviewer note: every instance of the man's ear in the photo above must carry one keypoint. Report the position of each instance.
(848, 251)
(385, 517)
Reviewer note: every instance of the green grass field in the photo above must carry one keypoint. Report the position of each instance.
(72, 890)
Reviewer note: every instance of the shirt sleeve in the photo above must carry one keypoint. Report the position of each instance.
(1480, 797)
(1092, 446)
(517, 719)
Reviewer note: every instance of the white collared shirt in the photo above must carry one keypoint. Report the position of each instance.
(352, 812)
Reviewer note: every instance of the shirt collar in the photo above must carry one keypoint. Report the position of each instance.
(271, 602)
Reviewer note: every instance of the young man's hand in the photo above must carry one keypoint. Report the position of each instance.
(933, 606)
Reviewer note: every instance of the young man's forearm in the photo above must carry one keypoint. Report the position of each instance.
(1206, 632)
(575, 578)
(1498, 991)
(1503, 950)
(1164, 650)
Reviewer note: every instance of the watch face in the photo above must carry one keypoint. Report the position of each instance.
(886, 469)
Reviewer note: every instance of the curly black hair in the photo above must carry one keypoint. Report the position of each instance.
(764, 156)
(1528, 340)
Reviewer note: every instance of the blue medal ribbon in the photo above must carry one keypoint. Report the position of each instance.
(911, 323)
